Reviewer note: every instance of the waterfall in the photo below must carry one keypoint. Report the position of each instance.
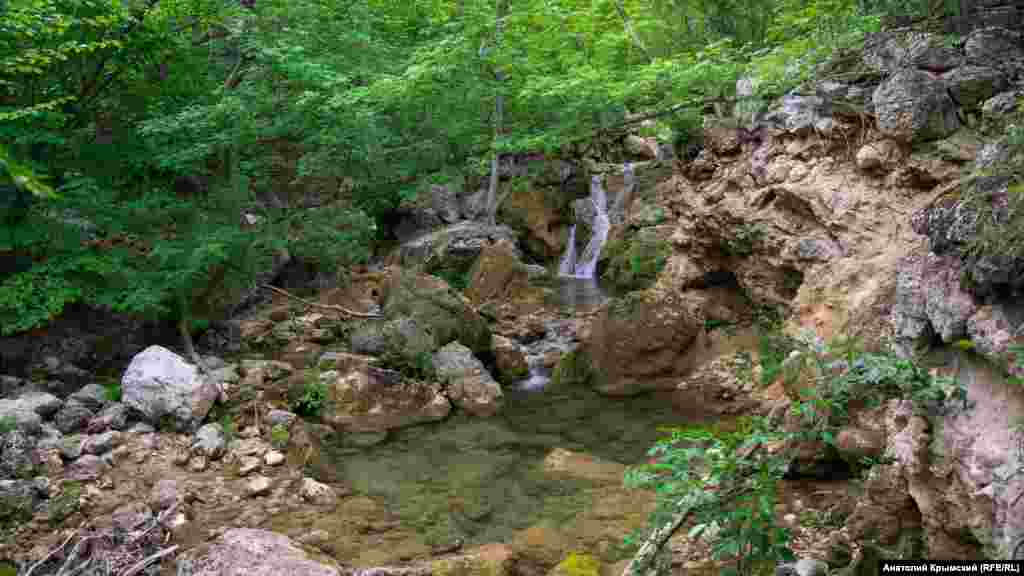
(586, 263)
(568, 265)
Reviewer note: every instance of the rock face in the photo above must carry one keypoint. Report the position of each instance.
(640, 342)
(375, 400)
(929, 301)
(468, 383)
(499, 276)
(454, 247)
(436, 307)
(246, 552)
(159, 384)
(912, 105)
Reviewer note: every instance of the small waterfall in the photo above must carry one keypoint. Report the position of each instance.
(583, 267)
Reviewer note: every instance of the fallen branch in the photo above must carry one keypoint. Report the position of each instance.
(141, 564)
(52, 552)
(332, 307)
(655, 541)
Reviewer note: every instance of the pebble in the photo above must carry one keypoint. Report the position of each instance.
(273, 458)
(258, 486)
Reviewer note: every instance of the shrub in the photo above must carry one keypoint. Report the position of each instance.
(7, 424)
(279, 437)
(113, 389)
(314, 393)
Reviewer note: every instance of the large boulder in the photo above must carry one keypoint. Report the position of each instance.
(970, 86)
(995, 46)
(437, 308)
(913, 105)
(453, 248)
(468, 383)
(499, 276)
(929, 301)
(539, 214)
(641, 342)
(403, 338)
(160, 385)
(372, 399)
(248, 552)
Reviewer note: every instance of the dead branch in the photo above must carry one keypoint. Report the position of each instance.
(141, 564)
(332, 307)
(54, 551)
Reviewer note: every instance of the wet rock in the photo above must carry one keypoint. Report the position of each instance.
(640, 342)
(209, 441)
(972, 85)
(913, 106)
(42, 403)
(510, 360)
(376, 400)
(160, 384)
(247, 552)
(467, 382)
(73, 416)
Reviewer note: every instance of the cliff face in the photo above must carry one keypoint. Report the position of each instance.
(856, 209)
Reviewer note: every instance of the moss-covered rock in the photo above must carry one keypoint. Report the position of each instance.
(402, 340)
(577, 564)
(540, 214)
(433, 305)
(573, 369)
(633, 262)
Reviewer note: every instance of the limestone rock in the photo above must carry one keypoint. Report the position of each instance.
(16, 455)
(1000, 104)
(402, 337)
(445, 203)
(376, 400)
(247, 552)
(209, 441)
(99, 444)
(164, 494)
(509, 359)
(994, 46)
(454, 247)
(273, 458)
(468, 383)
(499, 276)
(929, 300)
(878, 155)
(113, 417)
(131, 516)
(92, 396)
(912, 105)
(312, 491)
(160, 384)
(87, 467)
(640, 342)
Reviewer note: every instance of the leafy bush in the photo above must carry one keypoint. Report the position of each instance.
(113, 390)
(7, 424)
(279, 436)
(314, 393)
(66, 504)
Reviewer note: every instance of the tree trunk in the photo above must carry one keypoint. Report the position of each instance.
(500, 8)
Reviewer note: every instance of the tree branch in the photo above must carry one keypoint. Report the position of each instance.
(334, 308)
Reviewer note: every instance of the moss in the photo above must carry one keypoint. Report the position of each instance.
(634, 264)
(577, 564)
(574, 368)
(65, 504)
(7, 569)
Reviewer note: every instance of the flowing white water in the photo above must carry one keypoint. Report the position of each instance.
(586, 263)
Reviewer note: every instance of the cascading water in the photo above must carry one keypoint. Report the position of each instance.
(584, 266)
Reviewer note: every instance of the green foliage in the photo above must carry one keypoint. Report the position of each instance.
(65, 504)
(418, 366)
(578, 564)
(732, 484)
(311, 401)
(279, 436)
(228, 427)
(743, 240)
(774, 347)
(113, 390)
(634, 264)
(7, 424)
(456, 278)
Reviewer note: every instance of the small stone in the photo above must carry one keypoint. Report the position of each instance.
(71, 447)
(315, 492)
(42, 486)
(142, 428)
(100, 443)
(87, 467)
(281, 418)
(198, 463)
(273, 458)
(247, 465)
(249, 432)
(808, 567)
(210, 441)
(258, 486)
(131, 516)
